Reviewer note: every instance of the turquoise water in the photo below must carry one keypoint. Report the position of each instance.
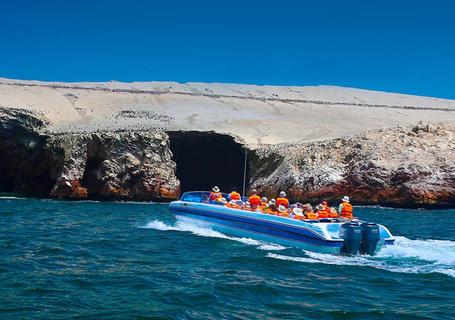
(91, 260)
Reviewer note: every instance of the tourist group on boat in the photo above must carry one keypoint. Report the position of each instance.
(281, 205)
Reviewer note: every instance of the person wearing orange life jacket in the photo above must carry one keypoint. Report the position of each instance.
(234, 195)
(233, 204)
(323, 211)
(282, 200)
(254, 199)
(282, 211)
(215, 194)
(271, 207)
(333, 213)
(298, 213)
(345, 208)
(263, 206)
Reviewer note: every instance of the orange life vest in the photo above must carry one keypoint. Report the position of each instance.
(234, 195)
(333, 214)
(311, 215)
(215, 195)
(325, 213)
(282, 201)
(346, 211)
(233, 206)
(254, 200)
(263, 206)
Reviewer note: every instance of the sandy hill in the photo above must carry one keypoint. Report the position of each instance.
(255, 114)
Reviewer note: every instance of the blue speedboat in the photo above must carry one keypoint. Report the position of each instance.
(325, 235)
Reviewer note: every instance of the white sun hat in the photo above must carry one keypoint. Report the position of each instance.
(298, 212)
(281, 208)
(282, 194)
(345, 199)
(216, 189)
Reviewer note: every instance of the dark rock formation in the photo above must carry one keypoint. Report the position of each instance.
(409, 167)
(124, 165)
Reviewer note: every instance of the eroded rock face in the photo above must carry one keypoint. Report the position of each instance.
(127, 165)
(399, 167)
(123, 165)
(25, 158)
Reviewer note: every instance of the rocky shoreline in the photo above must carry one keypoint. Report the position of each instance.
(151, 141)
(400, 167)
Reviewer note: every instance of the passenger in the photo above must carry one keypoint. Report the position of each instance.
(233, 204)
(272, 207)
(234, 195)
(308, 212)
(322, 211)
(215, 194)
(282, 200)
(254, 199)
(264, 205)
(264, 201)
(246, 206)
(282, 211)
(345, 208)
(333, 213)
(298, 213)
(222, 200)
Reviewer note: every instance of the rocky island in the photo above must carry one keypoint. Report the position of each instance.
(151, 141)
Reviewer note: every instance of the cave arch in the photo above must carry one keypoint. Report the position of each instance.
(205, 159)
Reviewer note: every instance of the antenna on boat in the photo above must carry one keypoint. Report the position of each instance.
(244, 171)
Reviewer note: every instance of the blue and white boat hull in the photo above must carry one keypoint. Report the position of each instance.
(307, 235)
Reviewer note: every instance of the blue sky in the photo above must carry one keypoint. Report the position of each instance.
(388, 45)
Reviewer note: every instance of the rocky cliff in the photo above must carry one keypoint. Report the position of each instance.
(114, 165)
(411, 166)
(150, 141)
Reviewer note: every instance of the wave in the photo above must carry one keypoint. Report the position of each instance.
(11, 198)
(406, 256)
(207, 232)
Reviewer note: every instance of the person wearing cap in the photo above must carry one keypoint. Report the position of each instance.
(246, 206)
(282, 211)
(254, 199)
(345, 208)
(272, 208)
(222, 201)
(215, 194)
(234, 195)
(282, 200)
(298, 213)
(233, 204)
(264, 204)
(322, 211)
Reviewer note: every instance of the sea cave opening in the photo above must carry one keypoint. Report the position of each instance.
(206, 159)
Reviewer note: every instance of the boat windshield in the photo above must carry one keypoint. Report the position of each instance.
(198, 196)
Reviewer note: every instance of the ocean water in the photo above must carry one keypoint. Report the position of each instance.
(94, 260)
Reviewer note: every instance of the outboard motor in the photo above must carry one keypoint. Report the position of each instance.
(370, 238)
(351, 233)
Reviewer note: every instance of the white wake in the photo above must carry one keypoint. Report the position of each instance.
(207, 232)
(406, 256)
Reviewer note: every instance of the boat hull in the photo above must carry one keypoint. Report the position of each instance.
(269, 228)
(230, 230)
